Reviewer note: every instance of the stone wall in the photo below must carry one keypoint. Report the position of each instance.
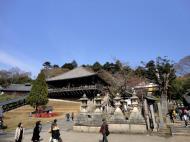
(115, 128)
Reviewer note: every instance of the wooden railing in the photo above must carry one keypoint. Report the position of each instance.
(86, 87)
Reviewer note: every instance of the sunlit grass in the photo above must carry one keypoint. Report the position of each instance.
(13, 117)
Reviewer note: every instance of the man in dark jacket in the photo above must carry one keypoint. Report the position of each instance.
(104, 130)
(36, 132)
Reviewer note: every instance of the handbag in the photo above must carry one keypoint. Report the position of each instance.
(107, 132)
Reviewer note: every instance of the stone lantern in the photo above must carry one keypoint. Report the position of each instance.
(134, 100)
(117, 103)
(124, 104)
(135, 116)
(118, 114)
(98, 101)
(84, 105)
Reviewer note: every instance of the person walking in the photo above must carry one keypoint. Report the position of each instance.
(68, 116)
(55, 133)
(36, 132)
(19, 133)
(54, 122)
(170, 113)
(185, 119)
(52, 131)
(72, 116)
(104, 130)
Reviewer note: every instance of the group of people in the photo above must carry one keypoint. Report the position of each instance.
(180, 114)
(69, 116)
(54, 131)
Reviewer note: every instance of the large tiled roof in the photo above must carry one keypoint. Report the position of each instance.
(18, 88)
(75, 73)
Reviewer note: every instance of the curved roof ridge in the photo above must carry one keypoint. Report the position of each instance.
(74, 73)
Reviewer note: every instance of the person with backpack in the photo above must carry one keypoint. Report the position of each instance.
(104, 130)
(55, 133)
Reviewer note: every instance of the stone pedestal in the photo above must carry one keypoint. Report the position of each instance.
(136, 116)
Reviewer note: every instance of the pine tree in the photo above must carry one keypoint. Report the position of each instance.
(39, 93)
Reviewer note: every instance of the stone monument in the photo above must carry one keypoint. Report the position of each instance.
(135, 116)
(84, 106)
(82, 118)
(98, 105)
(118, 114)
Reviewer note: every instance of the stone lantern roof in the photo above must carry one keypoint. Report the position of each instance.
(134, 97)
(98, 98)
(84, 98)
(117, 97)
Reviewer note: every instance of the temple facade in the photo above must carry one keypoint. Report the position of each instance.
(74, 83)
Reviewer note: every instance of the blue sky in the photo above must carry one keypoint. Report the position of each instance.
(35, 31)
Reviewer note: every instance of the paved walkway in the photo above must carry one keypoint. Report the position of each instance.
(92, 137)
(69, 136)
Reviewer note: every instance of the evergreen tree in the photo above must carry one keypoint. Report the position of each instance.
(55, 66)
(140, 71)
(186, 84)
(161, 72)
(47, 65)
(74, 63)
(176, 89)
(39, 93)
(107, 66)
(97, 66)
(68, 66)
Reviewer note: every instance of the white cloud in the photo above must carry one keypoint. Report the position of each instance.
(12, 61)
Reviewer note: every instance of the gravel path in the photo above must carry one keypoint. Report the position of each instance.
(69, 136)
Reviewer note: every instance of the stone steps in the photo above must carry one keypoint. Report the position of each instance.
(164, 132)
(182, 131)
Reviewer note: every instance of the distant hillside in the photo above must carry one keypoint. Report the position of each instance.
(54, 71)
(108, 77)
(183, 66)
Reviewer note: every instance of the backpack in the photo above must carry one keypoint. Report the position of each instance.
(107, 130)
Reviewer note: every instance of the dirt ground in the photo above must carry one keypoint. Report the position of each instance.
(13, 117)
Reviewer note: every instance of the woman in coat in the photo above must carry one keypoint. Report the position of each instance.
(104, 130)
(36, 132)
(19, 133)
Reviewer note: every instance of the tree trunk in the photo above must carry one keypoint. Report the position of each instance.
(164, 103)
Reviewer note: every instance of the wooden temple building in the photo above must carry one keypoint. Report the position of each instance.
(74, 83)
